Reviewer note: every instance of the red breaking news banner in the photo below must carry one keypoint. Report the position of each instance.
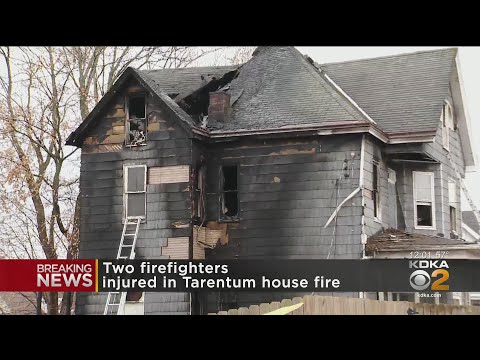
(48, 275)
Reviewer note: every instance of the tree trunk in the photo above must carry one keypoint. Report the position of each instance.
(39, 303)
(52, 303)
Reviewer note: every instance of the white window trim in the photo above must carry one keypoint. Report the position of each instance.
(432, 177)
(125, 192)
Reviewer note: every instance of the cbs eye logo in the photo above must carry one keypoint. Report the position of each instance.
(420, 279)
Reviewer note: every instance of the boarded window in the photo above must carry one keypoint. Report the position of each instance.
(376, 190)
(229, 200)
(136, 122)
(177, 248)
(169, 174)
(135, 191)
(424, 196)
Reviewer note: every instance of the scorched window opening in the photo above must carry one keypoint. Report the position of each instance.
(229, 198)
(136, 122)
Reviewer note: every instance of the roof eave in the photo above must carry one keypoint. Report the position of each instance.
(347, 127)
(77, 137)
(412, 137)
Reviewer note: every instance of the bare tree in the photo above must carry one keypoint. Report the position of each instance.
(44, 92)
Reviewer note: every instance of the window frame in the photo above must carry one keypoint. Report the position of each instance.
(126, 192)
(447, 124)
(127, 118)
(419, 202)
(222, 217)
(453, 203)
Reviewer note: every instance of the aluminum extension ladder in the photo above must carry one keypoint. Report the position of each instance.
(463, 186)
(126, 250)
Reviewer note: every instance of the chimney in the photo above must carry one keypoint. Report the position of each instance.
(219, 106)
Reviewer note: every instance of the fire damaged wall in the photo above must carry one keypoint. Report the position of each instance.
(167, 155)
(287, 190)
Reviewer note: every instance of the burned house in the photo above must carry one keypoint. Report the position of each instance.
(280, 157)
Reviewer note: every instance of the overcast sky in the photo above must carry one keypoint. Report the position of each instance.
(469, 62)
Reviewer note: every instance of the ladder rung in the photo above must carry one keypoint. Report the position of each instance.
(127, 245)
(130, 234)
(123, 257)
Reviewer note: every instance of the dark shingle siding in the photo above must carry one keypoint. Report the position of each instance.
(402, 92)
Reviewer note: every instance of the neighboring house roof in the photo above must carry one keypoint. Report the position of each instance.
(396, 240)
(403, 93)
(469, 218)
(184, 80)
(15, 303)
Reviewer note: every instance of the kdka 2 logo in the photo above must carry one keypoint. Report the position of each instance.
(427, 270)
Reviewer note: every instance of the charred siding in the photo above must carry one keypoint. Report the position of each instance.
(287, 192)
(101, 184)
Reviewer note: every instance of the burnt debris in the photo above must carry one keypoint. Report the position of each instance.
(196, 103)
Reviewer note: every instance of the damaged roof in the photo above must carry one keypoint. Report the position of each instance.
(401, 92)
(184, 80)
(279, 88)
(397, 240)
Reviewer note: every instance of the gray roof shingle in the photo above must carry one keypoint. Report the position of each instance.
(158, 89)
(469, 218)
(183, 80)
(279, 88)
(402, 93)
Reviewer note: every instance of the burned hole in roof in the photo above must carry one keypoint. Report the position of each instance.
(196, 102)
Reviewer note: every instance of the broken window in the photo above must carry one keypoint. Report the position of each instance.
(136, 123)
(229, 199)
(376, 190)
(423, 196)
(135, 191)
